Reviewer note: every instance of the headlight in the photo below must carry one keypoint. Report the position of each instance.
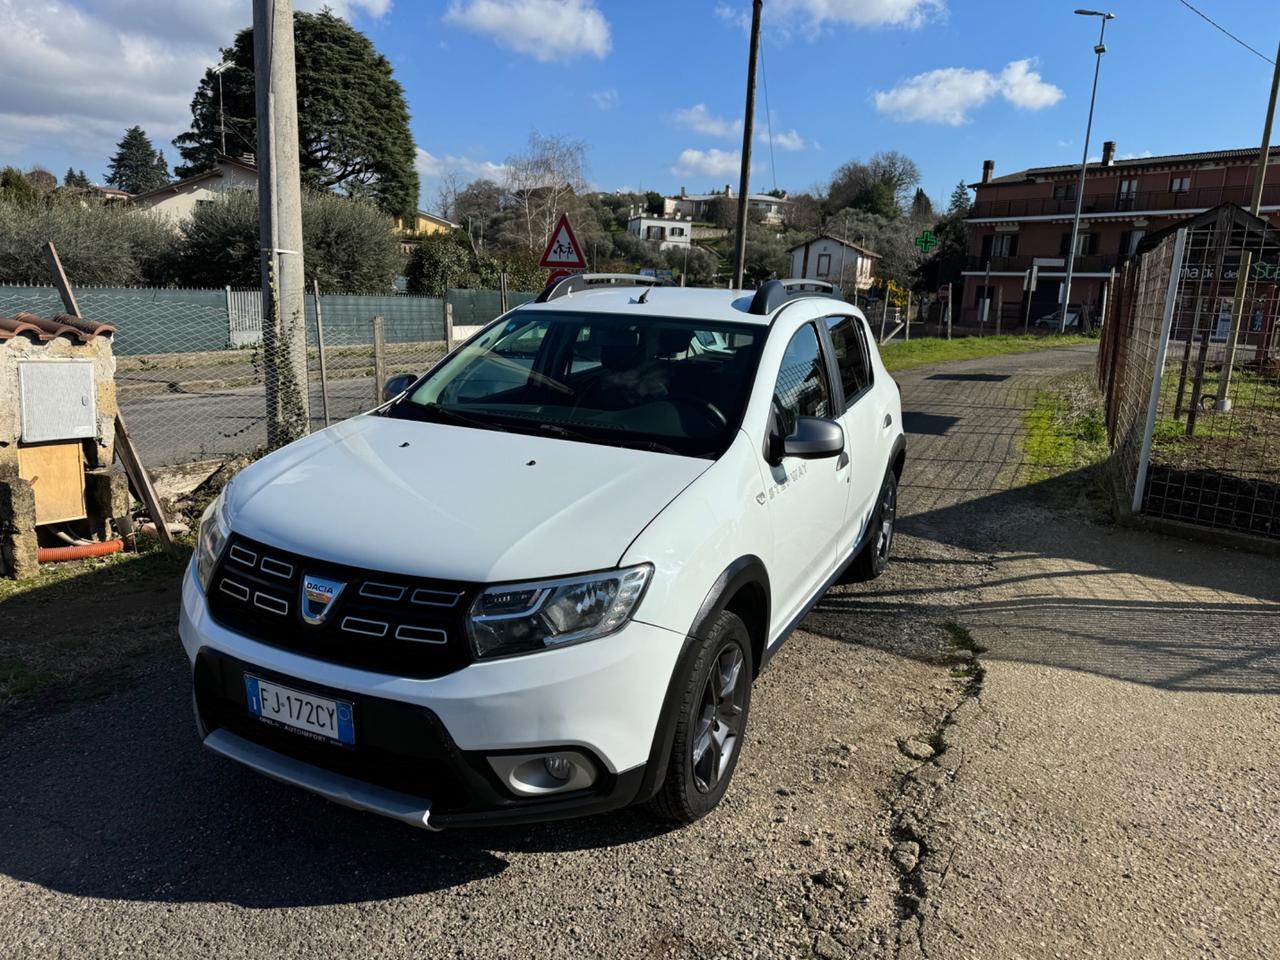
(524, 617)
(214, 528)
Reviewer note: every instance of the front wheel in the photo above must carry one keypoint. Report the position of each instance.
(711, 723)
(874, 555)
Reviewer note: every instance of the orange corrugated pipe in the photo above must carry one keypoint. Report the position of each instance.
(81, 551)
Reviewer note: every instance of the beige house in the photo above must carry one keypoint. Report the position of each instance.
(424, 224)
(178, 200)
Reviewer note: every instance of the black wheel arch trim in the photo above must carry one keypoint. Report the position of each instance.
(746, 570)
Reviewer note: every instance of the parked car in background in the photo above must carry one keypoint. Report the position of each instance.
(540, 580)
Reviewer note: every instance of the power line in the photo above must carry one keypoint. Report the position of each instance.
(768, 116)
(1217, 26)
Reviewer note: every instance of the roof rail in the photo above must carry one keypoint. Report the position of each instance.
(581, 281)
(774, 293)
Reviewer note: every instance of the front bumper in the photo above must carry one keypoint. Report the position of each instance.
(423, 744)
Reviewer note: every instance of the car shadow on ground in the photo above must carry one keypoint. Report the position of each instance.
(1029, 573)
(118, 801)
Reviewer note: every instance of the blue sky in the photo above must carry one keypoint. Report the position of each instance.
(654, 87)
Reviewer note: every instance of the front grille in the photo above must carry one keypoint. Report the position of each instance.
(404, 626)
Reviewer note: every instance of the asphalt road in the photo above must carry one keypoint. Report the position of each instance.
(209, 422)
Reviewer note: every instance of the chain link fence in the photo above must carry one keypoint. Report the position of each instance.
(1190, 368)
(189, 373)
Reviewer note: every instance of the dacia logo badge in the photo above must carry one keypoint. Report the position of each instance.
(318, 597)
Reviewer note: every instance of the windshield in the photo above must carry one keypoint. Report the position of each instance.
(675, 386)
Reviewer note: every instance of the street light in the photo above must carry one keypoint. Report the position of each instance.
(220, 69)
(1100, 49)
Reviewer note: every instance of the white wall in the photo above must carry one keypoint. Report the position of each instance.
(176, 206)
(857, 269)
(667, 237)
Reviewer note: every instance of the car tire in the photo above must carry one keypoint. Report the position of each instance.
(873, 558)
(712, 718)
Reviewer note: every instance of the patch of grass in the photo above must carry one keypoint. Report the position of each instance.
(59, 579)
(83, 629)
(922, 351)
(1066, 431)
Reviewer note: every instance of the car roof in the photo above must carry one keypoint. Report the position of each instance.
(692, 303)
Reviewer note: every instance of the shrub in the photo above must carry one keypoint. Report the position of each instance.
(99, 244)
(444, 261)
(348, 245)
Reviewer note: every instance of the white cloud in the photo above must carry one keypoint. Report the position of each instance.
(911, 14)
(710, 163)
(1023, 87)
(76, 73)
(734, 15)
(791, 140)
(431, 167)
(947, 95)
(606, 99)
(701, 120)
(544, 29)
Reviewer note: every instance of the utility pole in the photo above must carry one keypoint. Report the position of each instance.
(1223, 402)
(220, 69)
(1098, 50)
(284, 329)
(748, 131)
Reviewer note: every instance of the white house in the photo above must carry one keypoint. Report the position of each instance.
(845, 264)
(176, 201)
(670, 233)
(694, 206)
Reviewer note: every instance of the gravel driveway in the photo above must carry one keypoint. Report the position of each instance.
(119, 837)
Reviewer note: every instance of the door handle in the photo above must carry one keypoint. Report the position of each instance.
(888, 420)
(842, 461)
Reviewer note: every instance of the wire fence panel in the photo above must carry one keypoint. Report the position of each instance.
(189, 375)
(1215, 438)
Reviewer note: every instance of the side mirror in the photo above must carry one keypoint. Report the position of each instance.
(814, 438)
(397, 385)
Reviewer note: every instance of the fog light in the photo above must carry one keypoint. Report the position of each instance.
(535, 774)
(559, 766)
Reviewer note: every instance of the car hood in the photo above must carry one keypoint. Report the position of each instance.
(437, 500)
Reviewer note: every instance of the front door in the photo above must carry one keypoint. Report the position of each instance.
(805, 498)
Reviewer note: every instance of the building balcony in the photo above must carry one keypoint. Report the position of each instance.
(1020, 264)
(1201, 198)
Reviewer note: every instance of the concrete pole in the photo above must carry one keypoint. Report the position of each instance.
(748, 131)
(1223, 402)
(284, 328)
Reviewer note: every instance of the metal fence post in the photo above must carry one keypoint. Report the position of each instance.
(379, 359)
(231, 339)
(907, 319)
(1157, 375)
(884, 314)
(502, 292)
(324, 378)
(448, 324)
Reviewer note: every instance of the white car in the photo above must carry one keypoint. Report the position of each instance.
(540, 580)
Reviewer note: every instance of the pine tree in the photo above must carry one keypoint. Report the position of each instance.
(959, 204)
(921, 205)
(75, 181)
(137, 166)
(353, 123)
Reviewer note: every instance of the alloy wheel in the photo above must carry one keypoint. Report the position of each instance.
(888, 516)
(719, 719)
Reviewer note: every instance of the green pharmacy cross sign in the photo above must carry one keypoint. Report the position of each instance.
(926, 241)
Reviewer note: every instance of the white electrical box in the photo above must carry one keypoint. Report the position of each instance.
(58, 400)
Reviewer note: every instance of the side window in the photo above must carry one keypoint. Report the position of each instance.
(802, 389)
(851, 356)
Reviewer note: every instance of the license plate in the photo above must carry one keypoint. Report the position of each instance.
(305, 713)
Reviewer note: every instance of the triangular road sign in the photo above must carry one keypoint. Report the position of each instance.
(563, 250)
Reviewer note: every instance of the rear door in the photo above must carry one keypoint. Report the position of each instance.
(863, 420)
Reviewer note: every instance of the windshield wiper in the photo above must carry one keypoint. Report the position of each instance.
(462, 419)
(570, 434)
